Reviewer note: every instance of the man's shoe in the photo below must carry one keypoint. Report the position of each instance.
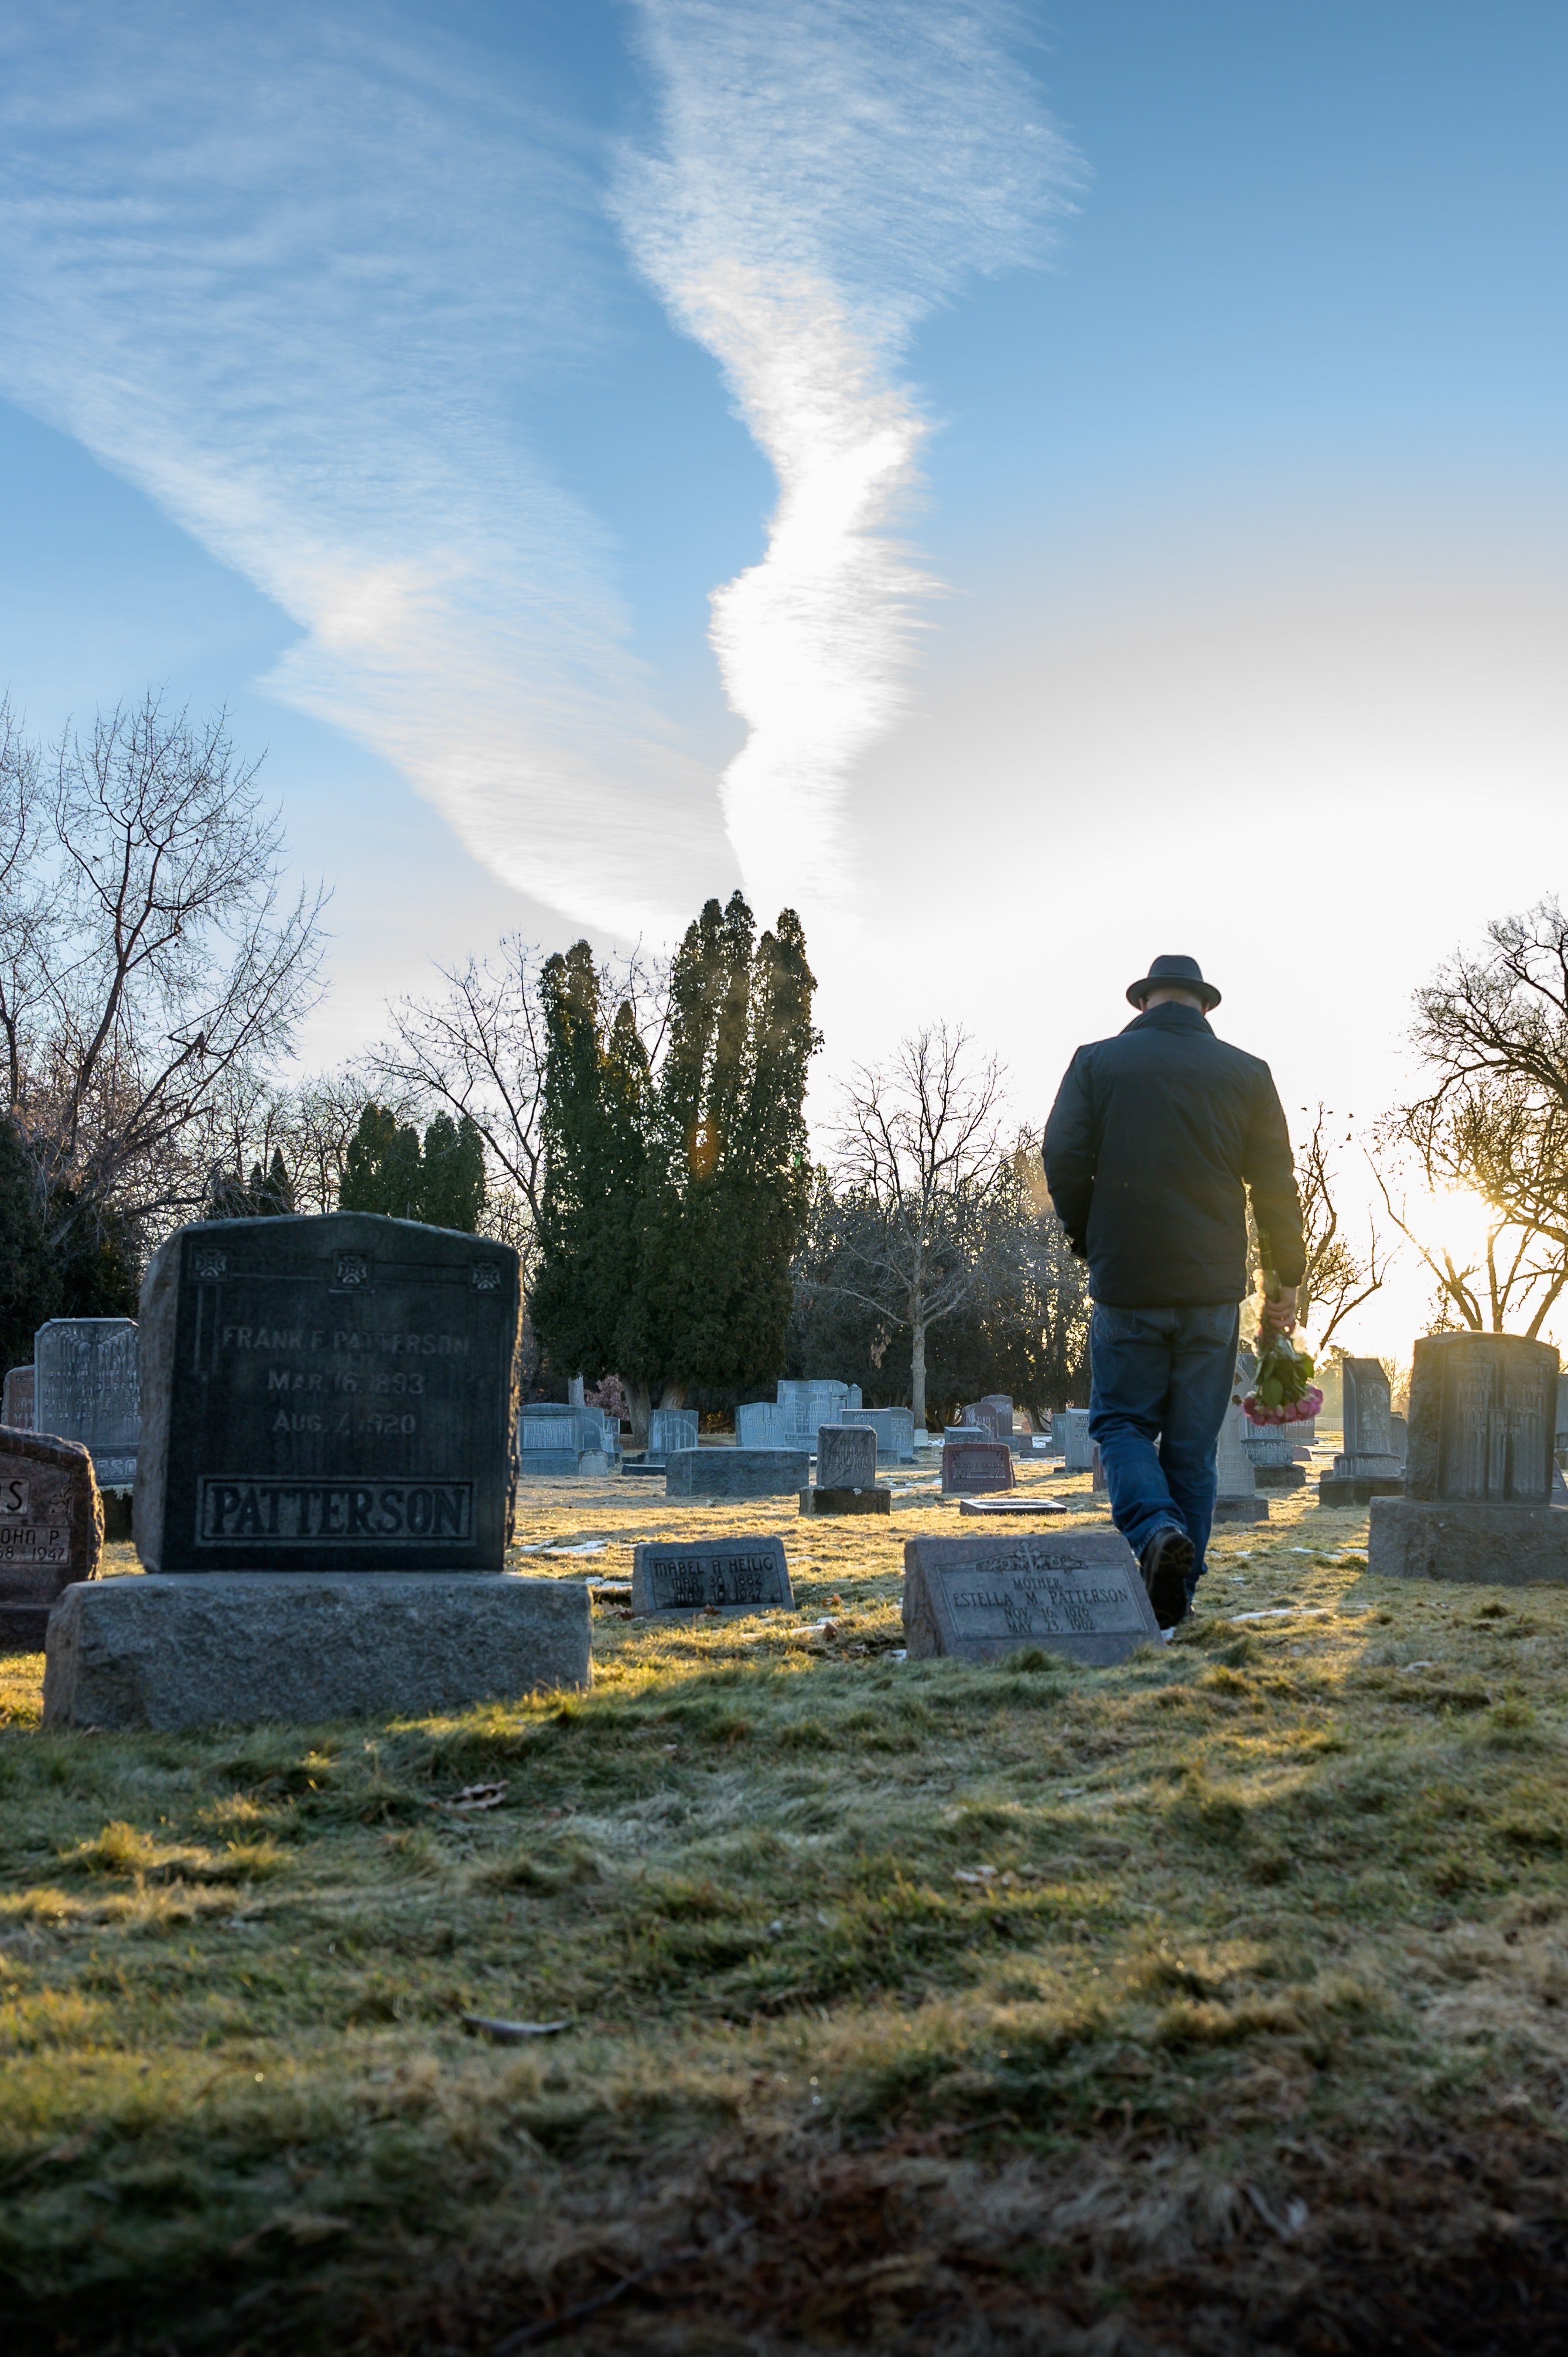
(1166, 1560)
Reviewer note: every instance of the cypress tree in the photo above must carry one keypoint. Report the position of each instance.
(452, 1186)
(596, 1087)
(382, 1169)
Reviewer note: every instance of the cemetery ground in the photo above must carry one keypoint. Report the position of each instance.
(1217, 2002)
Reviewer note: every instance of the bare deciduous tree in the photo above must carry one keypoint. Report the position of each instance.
(918, 1155)
(1338, 1276)
(149, 955)
(1494, 1031)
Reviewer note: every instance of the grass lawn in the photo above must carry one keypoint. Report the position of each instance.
(1218, 2002)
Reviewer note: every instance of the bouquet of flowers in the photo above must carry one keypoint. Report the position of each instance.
(1283, 1391)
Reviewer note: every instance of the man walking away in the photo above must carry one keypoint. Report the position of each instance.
(1156, 1139)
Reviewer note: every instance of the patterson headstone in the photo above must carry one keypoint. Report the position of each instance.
(1479, 1475)
(16, 1402)
(1081, 1595)
(322, 1393)
(972, 1468)
(1367, 1467)
(51, 1530)
(745, 1575)
(325, 1489)
(735, 1472)
(86, 1389)
(847, 1474)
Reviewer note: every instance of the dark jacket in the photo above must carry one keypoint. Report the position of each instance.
(1153, 1137)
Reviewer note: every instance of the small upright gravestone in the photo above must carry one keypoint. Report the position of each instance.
(894, 1427)
(1081, 1595)
(323, 1496)
(742, 1575)
(51, 1530)
(1236, 1497)
(759, 1424)
(735, 1472)
(86, 1388)
(1072, 1428)
(17, 1404)
(973, 1468)
(1479, 1475)
(671, 1427)
(987, 1417)
(1367, 1467)
(847, 1474)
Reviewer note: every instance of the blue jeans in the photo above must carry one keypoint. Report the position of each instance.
(1161, 1381)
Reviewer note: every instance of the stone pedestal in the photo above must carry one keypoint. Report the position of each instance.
(214, 1649)
(1280, 1477)
(1240, 1509)
(872, 1500)
(1350, 1488)
(1478, 1480)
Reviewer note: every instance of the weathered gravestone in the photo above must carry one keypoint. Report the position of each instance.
(671, 1427)
(1479, 1475)
(86, 1388)
(759, 1424)
(1072, 1428)
(325, 1488)
(735, 1472)
(555, 1439)
(985, 1416)
(739, 1575)
(972, 1468)
(16, 1402)
(894, 1429)
(51, 1530)
(1236, 1497)
(808, 1405)
(1367, 1467)
(1003, 1407)
(1081, 1595)
(847, 1474)
(1562, 1432)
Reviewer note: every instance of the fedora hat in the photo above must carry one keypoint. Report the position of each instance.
(1175, 974)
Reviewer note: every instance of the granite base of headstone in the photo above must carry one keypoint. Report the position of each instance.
(1270, 1452)
(735, 1472)
(174, 1650)
(972, 1468)
(1477, 1497)
(16, 1400)
(87, 1388)
(1081, 1595)
(51, 1532)
(732, 1575)
(877, 1499)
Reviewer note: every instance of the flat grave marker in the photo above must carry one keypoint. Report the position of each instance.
(735, 1472)
(1079, 1593)
(735, 1575)
(1040, 1506)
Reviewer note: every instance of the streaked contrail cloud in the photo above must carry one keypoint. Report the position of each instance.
(830, 170)
(287, 270)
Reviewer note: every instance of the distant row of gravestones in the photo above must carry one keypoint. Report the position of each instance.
(325, 1465)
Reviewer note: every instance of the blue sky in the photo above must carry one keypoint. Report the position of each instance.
(1169, 407)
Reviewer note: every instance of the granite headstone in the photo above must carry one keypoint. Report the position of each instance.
(671, 1427)
(1477, 1503)
(736, 1574)
(1080, 1595)
(759, 1424)
(1366, 1466)
(16, 1402)
(87, 1387)
(51, 1530)
(894, 1427)
(1072, 1428)
(1236, 1497)
(735, 1472)
(970, 1469)
(327, 1394)
(847, 1474)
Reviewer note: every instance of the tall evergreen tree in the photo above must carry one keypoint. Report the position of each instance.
(452, 1189)
(382, 1169)
(596, 1093)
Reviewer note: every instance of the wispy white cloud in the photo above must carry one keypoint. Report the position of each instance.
(830, 170)
(289, 269)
